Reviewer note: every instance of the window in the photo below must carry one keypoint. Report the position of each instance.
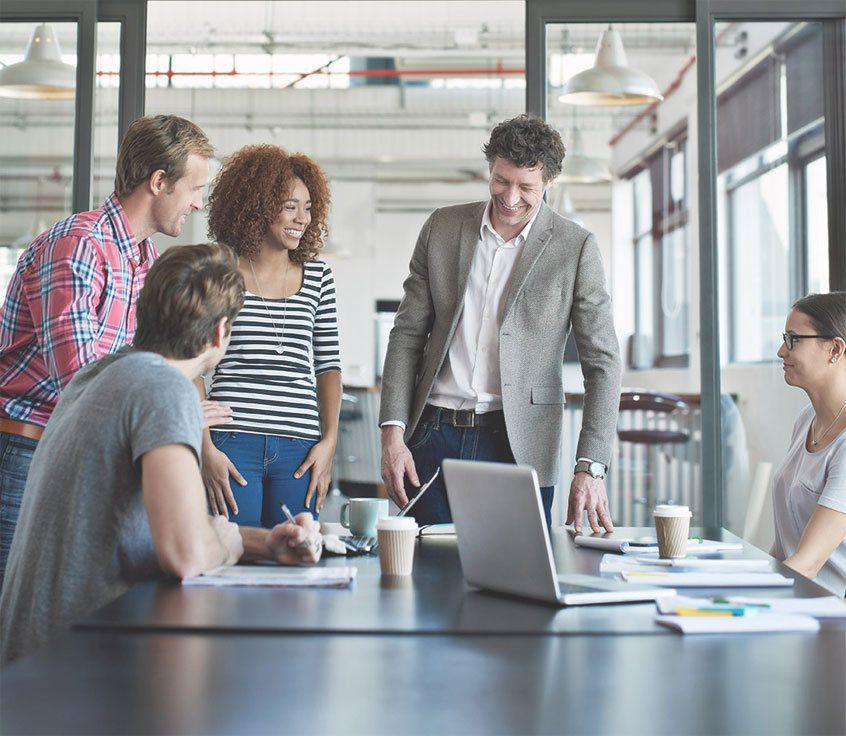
(661, 264)
(816, 225)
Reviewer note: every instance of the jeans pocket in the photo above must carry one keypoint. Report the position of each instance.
(219, 439)
(305, 444)
(421, 434)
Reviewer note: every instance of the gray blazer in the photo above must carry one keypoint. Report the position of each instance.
(558, 281)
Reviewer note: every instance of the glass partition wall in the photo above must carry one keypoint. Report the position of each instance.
(715, 218)
(627, 177)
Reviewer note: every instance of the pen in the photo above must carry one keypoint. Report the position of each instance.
(746, 605)
(419, 493)
(290, 517)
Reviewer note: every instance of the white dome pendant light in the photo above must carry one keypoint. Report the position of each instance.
(42, 75)
(610, 81)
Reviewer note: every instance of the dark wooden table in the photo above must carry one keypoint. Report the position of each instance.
(95, 683)
(423, 656)
(434, 600)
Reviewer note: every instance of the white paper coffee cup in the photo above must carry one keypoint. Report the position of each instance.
(397, 536)
(672, 527)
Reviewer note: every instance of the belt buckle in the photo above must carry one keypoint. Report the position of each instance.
(465, 418)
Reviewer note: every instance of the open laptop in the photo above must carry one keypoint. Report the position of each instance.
(503, 541)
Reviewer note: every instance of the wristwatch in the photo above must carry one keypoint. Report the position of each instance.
(591, 467)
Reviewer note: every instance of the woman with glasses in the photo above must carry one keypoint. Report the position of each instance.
(809, 489)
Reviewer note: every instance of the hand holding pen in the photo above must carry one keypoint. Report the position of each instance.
(313, 544)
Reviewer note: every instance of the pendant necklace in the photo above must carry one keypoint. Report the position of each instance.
(814, 439)
(280, 345)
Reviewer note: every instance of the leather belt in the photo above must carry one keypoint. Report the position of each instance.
(464, 418)
(21, 429)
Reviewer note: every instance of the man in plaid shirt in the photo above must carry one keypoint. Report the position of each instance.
(72, 298)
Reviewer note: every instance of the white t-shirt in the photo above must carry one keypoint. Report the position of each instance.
(804, 481)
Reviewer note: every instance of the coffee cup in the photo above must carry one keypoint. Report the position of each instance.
(397, 536)
(360, 515)
(672, 527)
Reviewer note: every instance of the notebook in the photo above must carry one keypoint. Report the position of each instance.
(738, 624)
(709, 579)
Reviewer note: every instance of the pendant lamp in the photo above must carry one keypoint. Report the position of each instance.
(42, 75)
(610, 81)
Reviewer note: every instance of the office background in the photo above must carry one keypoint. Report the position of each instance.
(715, 208)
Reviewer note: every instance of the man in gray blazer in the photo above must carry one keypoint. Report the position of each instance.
(474, 367)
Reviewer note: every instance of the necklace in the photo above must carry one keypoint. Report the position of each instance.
(814, 439)
(279, 344)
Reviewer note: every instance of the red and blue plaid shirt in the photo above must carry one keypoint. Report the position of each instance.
(70, 302)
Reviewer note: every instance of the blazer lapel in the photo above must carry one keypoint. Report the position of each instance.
(468, 239)
(532, 248)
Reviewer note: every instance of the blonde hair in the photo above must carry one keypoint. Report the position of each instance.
(189, 288)
(157, 142)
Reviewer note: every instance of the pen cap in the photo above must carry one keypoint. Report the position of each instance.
(672, 511)
(396, 523)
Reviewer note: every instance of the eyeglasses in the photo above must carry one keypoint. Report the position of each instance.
(790, 338)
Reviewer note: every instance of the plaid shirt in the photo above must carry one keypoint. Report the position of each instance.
(70, 302)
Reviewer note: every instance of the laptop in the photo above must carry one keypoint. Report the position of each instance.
(503, 540)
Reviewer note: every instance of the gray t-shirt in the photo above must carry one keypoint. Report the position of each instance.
(83, 538)
(804, 481)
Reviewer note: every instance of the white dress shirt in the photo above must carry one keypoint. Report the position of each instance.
(470, 378)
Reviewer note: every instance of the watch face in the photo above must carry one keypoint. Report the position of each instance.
(597, 470)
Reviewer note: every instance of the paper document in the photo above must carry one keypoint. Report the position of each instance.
(738, 624)
(637, 547)
(275, 576)
(627, 563)
(708, 579)
(828, 606)
(436, 530)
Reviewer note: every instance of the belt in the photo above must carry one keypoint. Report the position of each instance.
(22, 429)
(464, 418)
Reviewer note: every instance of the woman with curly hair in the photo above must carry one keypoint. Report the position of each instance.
(281, 374)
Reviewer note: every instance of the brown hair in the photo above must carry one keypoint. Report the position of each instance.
(157, 142)
(189, 288)
(527, 141)
(827, 312)
(249, 192)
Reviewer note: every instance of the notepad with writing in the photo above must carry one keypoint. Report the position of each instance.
(738, 624)
(827, 606)
(271, 576)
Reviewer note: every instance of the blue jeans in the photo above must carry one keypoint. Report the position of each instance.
(434, 440)
(267, 462)
(15, 457)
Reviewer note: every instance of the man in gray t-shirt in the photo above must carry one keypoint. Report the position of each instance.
(114, 493)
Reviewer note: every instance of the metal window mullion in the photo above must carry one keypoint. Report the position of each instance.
(709, 317)
(834, 105)
(83, 134)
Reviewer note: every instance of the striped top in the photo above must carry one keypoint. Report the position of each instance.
(271, 393)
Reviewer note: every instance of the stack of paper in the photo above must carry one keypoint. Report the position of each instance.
(617, 564)
(276, 577)
(708, 579)
(738, 624)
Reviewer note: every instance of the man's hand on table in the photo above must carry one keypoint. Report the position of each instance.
(588, 494)
(293, 544)
(230, 537)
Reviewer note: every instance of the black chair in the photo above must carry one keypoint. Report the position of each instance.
(659, 442)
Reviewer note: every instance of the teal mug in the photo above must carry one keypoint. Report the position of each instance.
(360, 515)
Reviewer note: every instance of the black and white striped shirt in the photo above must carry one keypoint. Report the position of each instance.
(271, 393)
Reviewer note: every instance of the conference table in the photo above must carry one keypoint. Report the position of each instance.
(421, 655)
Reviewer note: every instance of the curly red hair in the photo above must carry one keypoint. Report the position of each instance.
(249, 191)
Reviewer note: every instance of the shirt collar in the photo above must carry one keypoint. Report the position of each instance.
(519, 239)
(124, 238)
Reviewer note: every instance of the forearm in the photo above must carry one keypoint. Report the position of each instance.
(255, 544)
(825, 531)
(329, 391)
(200, 385)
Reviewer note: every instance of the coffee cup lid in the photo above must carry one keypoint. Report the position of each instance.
(396, 523)
(671, 510)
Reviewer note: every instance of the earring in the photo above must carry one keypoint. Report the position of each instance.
(834, 360)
